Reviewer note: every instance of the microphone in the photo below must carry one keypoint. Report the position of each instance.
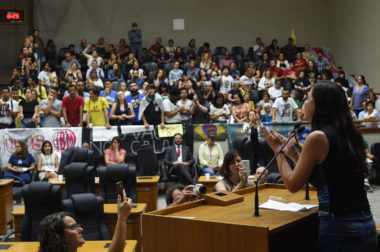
(297, 129)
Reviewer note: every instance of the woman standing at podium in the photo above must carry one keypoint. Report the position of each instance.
(333, 160)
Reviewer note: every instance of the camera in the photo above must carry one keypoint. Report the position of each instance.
(200, 189)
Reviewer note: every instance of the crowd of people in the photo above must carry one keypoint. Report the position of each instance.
(103, 84)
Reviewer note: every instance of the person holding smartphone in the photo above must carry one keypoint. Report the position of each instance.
(61, 232)
(235, 177)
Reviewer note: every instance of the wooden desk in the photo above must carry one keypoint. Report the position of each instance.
(110, 215)
(197, 226)
(6, 204)
(147, 190)
(89, 246)
(208, 183)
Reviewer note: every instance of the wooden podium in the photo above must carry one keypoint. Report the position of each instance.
(197, 226)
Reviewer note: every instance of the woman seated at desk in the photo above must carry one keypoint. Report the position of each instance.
(20, 163)
(115, 154)
(234, 175)
(48, 162)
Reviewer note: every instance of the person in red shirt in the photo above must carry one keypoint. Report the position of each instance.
(276, 71)
(300, 63)
(72, 106)
(291, 73)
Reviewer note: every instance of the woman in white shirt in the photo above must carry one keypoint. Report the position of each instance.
(48, 162)
(266, 81)
(48, 77)
(219, 112)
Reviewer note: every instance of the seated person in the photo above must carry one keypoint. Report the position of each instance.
(179, 194)
(48, 162)
(179, 159)
(235, 177)
(115, 154)
(20, 163)
(264, 177)
(61, 232)
(210, 155)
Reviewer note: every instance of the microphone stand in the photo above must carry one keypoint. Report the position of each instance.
(256, 214)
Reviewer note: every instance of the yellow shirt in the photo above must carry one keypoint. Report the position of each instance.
(213, 156)
(96, 109)
(43, 93)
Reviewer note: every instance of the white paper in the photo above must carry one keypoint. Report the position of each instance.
(293, 207)
(102, 134)
(50, 169)
(178, 24)
(24, 169)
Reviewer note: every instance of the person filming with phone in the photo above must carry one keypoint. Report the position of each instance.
(235, 177)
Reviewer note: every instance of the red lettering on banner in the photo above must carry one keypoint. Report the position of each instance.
(34, 143)
(63, 140)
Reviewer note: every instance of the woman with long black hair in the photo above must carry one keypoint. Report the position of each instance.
(333, 161)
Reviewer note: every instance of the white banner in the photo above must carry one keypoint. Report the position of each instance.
(61, 139)
(102, 134)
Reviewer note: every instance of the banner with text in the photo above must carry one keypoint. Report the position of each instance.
(61, 139)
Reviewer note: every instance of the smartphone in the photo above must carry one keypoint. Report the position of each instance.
(246, 166)
(120, 188)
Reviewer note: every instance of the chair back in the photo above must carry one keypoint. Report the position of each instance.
(41, 199)
(147, 164)
(79, 178)
(89, 212)
(109, 175)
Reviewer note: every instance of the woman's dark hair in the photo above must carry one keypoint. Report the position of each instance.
(363, 78)
(51, 231)
(43, 145)
(125, 103)
(162, 84)
(113, 139)
(24, 151)
(95, 90)
(169, 193)
(228, 159)
(240, 97)
(331, 110)
(218, 96)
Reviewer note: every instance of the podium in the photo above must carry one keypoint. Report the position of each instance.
(198, 226)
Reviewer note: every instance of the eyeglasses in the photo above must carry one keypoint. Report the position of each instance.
(75, 226)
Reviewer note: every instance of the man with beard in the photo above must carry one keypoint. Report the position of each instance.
(172, 111)
(72, 108)
(136, 79)
(152, 108)
(135, 99)
(80, 90)
(179, 159)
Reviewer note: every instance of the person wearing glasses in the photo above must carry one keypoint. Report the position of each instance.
(235, 177)
(61, 232)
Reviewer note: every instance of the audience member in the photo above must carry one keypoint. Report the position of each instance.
(61, 232)
(321, 63)
(28, 111)
(283, 108)
(210, 154)
(68, 61)
(52, 109)
(186, 114)
(171, 108)
(135, 38)
(114, 154)
(96, 110)
(179, 159)
(219, 111)
(48, 162)
(135, 99)
(235, 177)
(72, 108)
(276, 90)
(20, 163)
(9, 109)
(152, 109)
(122, 111)
(359, 93)
(94, 56)
(179, 194)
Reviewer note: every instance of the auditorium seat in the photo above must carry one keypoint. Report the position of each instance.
(41, 199)
(89, 212)
(237, 50)
(79, 178)
(220, 50)
(75, 154)
(112, 173)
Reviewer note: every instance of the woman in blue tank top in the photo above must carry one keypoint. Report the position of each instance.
(333, 161)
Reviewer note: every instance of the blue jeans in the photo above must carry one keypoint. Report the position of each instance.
(209, 170)
(348, 232)
(136, 49)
